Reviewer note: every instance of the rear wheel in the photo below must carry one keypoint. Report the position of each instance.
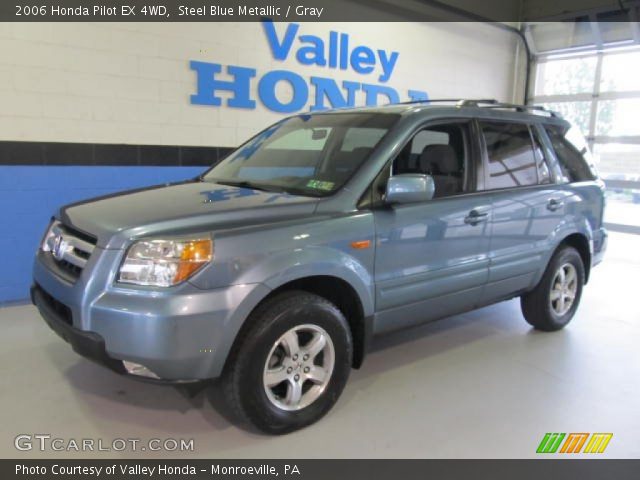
(554, 301)
(291, 363)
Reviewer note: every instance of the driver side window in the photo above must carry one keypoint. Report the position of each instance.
(440, 151)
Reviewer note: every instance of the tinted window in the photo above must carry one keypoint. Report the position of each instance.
(573, 165)
(511, 158)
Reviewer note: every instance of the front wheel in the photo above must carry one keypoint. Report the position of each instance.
(290, 364)
(554, 301)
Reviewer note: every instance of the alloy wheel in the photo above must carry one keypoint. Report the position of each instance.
(299, 367)
(564, 288)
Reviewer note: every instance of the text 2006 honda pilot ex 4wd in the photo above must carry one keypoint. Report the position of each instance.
(274, 268)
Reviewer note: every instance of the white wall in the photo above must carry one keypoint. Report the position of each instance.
(131, 82)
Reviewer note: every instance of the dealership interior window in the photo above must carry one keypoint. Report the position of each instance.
(599, 92)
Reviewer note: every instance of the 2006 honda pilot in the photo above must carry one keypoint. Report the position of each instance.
(274, 268)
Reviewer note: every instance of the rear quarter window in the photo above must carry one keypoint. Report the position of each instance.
(571, 151)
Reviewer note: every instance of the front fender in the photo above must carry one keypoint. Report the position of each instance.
(283, 267)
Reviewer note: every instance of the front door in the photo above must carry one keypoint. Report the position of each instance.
(432, 257)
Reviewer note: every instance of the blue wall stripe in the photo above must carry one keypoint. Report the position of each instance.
(30, 195)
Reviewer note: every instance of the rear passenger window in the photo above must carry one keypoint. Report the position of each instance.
(572, 162)
(511, 157)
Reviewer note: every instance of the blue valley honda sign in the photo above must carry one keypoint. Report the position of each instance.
(334, 52)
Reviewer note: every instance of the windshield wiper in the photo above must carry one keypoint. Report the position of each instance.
(304, 192)
(246, 184)
(269, 188)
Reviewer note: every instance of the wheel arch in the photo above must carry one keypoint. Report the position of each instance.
(341, 277)
(338, 291)
(344, 296)
(580, 242)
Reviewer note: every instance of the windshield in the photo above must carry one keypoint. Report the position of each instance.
(310, 155)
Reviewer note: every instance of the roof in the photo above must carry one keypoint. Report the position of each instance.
(472, 107)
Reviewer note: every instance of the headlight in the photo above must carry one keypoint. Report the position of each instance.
(47, 240)
(163, 263)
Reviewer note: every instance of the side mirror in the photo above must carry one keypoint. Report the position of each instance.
(409, 188)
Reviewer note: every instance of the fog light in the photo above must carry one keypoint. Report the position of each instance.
(139, 370)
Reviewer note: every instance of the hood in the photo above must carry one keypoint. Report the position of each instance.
(179, 208)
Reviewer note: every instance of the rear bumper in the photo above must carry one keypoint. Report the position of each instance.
(600, 242)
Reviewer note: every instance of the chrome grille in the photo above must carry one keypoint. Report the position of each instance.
(70, 249)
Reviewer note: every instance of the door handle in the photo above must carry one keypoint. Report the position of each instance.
(554, 204)
(475, 217)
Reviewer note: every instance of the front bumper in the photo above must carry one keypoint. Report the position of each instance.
(87, 344)
(180, 334)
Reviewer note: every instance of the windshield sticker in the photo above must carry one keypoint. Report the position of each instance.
(320, 185)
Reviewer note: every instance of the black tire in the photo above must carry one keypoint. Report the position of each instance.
(242, 379)
(537, 305)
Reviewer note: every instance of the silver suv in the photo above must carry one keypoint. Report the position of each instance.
(274, 269)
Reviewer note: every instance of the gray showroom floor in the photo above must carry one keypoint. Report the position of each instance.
(477, 385)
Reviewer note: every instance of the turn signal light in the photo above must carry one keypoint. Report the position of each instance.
(194, 254)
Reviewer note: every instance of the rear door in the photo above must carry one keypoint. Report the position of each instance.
(527, 207)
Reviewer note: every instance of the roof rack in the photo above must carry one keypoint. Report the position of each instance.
(488, 103)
